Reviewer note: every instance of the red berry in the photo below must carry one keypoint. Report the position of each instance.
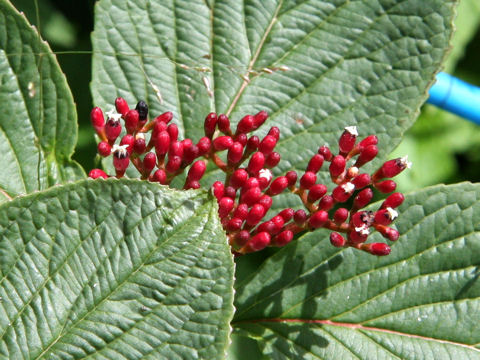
(299, 217)
(242, 139)
(379, 249)
(326, 203)
(197, 170)
(121, 160)
(104, 148)
(222, 143)
(234, 224)
(139, 145)
(287, 214)
(264, 178)
(162, 143)
(157, 129)
(218, 189)
(251, 196)
(250, 183)
(131, 121)
(278, 224)
(128, 140)
(224, 124)
(325, 152)
(176, 149)
(267, 145)
(190, 153)
(385, 216)
(267, 226)
(97, 173)
(363, 198)
(386, 186)
(347, 140)
(258, 242)
(149, 162)
(366, 154)
(316, 192)
(340, 215)
(337, 240)
(238, 178)
(210, 124)
(278, 185)
(359, 235)
(252, 143)
(337, 166)
(204, 145)
(245, 125)
(391, 234)
(235, 153)
(241, 211)
(394, 200)
(98, 121)
(186, 143)
(308, 180)
(392, 168)
(173, 164)
(121, 105)
(172, 130)
(260, 118)
(315, 163)
(292, 178)
(360, 181)
(230, 192)
(343, 192)
(275, 132)
(166, 117)
(191, 184)
(113, 128)
(256, 163)
(159, 176)
(255, 214)
(242, 237)
(272, 160)
(283, 238)
(318, 219)
(369, 140)
(225, 205)
(266, 201)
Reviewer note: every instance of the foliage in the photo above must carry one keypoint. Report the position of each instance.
(127, 269)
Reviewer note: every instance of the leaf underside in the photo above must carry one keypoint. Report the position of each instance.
(312, 301)
(114, 269)
(38, 121)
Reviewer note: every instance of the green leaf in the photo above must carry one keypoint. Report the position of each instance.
(114, 269)
(365, 63)
(38, 128)
(313, 301)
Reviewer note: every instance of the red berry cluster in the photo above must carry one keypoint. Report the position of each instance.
(245, 195)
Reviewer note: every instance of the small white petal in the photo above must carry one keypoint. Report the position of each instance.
(112, 114)
(392, 213)
(363, 230)
(265, 173)
(348, 187)
(405, 162)
(121, 149)
(352, 130)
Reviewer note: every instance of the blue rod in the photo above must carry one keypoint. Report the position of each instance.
(456, 96)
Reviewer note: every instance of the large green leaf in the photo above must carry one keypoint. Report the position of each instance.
(38, 127)
(114, 269)
(363, 62)
(313, 301)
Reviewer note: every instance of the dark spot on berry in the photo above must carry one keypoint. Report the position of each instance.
(142, 109)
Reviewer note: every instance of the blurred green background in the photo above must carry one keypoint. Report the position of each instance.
(442, 147)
